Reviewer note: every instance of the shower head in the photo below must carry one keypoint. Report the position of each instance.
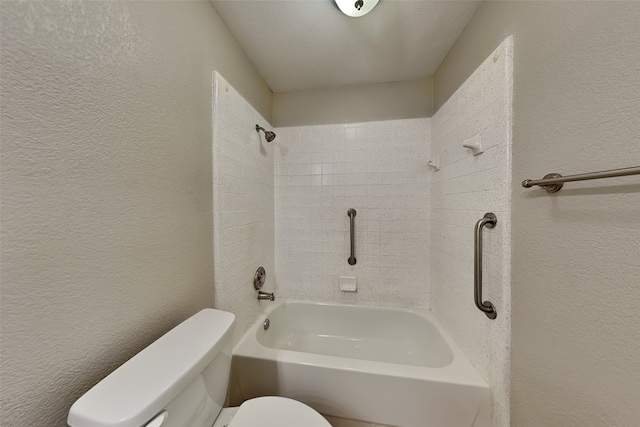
(268, 135)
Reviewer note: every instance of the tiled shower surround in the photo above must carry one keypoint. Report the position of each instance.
(377, 168)
(414, 226)
(464, 188)
(242, 205)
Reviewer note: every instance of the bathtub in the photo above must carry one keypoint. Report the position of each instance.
(376, 365)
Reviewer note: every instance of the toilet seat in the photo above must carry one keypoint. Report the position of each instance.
(272, 411)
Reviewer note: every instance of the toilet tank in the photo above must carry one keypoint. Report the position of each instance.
(180, 380)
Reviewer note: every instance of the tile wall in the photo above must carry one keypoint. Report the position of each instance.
(462, 191)
(243, 214)
(377, 168)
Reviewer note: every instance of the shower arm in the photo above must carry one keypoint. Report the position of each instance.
(268, 134)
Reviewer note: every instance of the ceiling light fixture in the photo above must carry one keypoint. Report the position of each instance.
(356, 8)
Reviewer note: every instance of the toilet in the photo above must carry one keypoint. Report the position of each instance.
(181, 380)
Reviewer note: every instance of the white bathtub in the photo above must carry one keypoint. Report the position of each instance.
(378, 365)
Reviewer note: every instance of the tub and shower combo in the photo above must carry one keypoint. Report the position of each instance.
(378, 365)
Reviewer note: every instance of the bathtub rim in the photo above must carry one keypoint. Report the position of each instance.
(459, 371)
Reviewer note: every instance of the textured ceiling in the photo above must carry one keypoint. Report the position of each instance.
(310, 44)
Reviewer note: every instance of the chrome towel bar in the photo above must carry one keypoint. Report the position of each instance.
(552, 182)
(489, 220)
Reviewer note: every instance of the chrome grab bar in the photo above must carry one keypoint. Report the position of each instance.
(553, 182)
(489, 220)
(351, 213)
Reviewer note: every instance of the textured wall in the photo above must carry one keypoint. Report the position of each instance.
(354, 104)
(106, 187)
(377, 168)
(242, 205)
(464, 188)
(575, 293)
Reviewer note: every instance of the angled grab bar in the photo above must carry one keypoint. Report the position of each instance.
(351, 213)
(489, 220)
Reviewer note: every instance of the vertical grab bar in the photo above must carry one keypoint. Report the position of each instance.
(489, 220)
(351, 213)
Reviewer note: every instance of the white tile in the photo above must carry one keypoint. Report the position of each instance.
(351, 178)
(462, 190)
(243, 170)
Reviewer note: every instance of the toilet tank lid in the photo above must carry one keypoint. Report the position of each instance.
(135, 392)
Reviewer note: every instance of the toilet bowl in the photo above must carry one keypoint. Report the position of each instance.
(181, 380)
(272, 411)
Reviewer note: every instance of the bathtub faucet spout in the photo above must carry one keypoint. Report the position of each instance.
(266, 295)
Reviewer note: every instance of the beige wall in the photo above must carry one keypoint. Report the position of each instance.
(354, 104)
(576, 274)
(106, 187)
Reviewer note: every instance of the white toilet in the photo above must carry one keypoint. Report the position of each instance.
(181, 381)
